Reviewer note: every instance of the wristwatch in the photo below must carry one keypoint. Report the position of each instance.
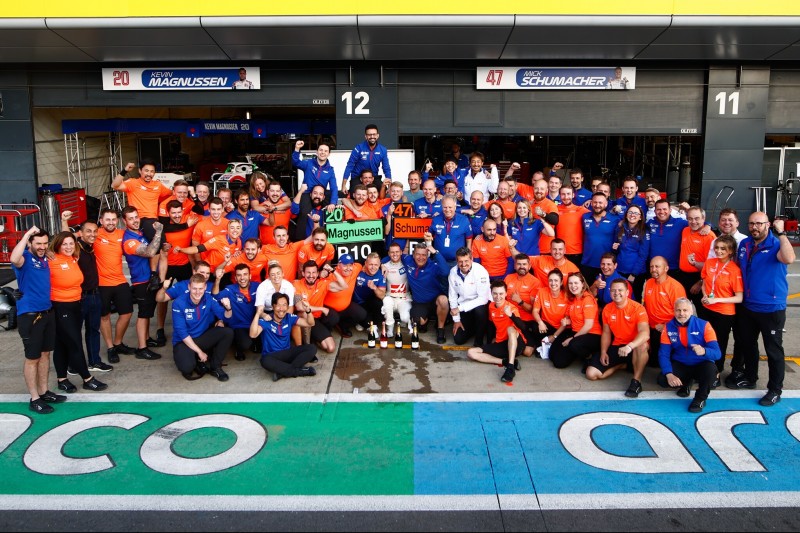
(779, 233)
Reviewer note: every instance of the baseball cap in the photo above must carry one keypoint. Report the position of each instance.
(346, 259)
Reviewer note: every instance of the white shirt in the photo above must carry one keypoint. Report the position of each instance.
(470, 291)
(481, 181)
(243, 84)
(266, 290)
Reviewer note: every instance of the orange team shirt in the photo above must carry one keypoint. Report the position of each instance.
(218, 247)
(548, 206)
(502, 322)
(723, 281)
(526, 287)
(108, 254)
(694, 243)
(367, 213)
(509, 207)
(525, 190)
(584, 308)
(309, 253)
(551, 309)
(338, 301)
(659, 300)
(624, 323)
(493, 255)
(145, 197)
(314, 295)
(65, 279)
(708, 335)
(569, 227)
(182, 239)
(542, 265)
(282, 218)
(258, 263)
(286, 257)
(206, 229)
(188, 205)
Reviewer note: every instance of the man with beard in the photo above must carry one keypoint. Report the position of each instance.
(315, 214)
(660, 293)
(242, 297)
(218, 249)
(601, 286)
(368, 155)
(543, 264)
(252, 256)
(369, 292)
(522, 287)
(570, 227)
(340, 294)
(599, 228)
(90, 293)
(318, 250)
(250, 219)
(180, 192)
(395, 197)
(492, 250)
(469, 296)
(544, 208)
(284, 252)
(210, 226)
(144, 193)
(580, 195)
(478, 179)
(424, 267)
(317, 172)
(358, 208)
(138, 252)
(310, 288)
(279, 206)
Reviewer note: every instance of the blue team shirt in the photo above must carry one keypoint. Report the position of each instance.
(182, 287)
(314, 174)
(192, 320)
(250, 223)
(362, 158)
(33, 281)
(422, 207)
(448, 237)
(580, 196)
(637, 200)
(243, 309)
(321, 211)
(139, 266)
(476, 221)
(276, 337)
(424, 280)
(665, 239)
(362, 292)
(526, 235)
(598, 237)
(766, 287)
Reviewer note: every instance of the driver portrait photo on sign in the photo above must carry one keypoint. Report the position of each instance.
(242, 83)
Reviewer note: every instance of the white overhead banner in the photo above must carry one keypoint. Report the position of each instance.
(181, 79)
(538, 78)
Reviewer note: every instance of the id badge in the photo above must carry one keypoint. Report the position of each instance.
(447, 242)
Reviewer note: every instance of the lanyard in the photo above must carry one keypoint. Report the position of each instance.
(719, 271)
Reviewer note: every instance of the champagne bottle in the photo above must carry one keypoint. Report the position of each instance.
(414, 337)
(371, 336)
(384, 339)
(398, 337)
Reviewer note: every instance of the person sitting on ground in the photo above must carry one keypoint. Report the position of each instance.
(579, 334)
(688, 352)
(506, 347)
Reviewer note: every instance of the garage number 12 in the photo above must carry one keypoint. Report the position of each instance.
(360, 99)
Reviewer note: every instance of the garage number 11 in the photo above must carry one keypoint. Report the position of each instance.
(360, 99)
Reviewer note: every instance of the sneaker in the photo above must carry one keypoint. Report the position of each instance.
(314, 359)
(239, 356)
(112, 355)
(440, 337)
(770, 398)
(716, 383)
(71, 372)
(276, 377)
(683, 392)
(359, 327)
(307, 372)
(155, 282)
(146, 353)
(219, 374)
(517, 365)
(40, 406)
(201, 369)
(52, 397)
(422, 328)
(737, 381)
(344, 332)
(508, 375)
(155, 343)
(634, 389)
(100, 367)
(94, 385)
(66, 386)
(124, 349)
(697, 405)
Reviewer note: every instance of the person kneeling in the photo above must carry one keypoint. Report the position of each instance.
(196, 343)
(278, 356)
(688, 351)
(506, 347)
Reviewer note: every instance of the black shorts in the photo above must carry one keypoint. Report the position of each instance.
(423, 310)
(120, 295)
(38, 332)
(613, 359)
(319, 332)
(145, 300)
(500, 349)
(179, 272)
